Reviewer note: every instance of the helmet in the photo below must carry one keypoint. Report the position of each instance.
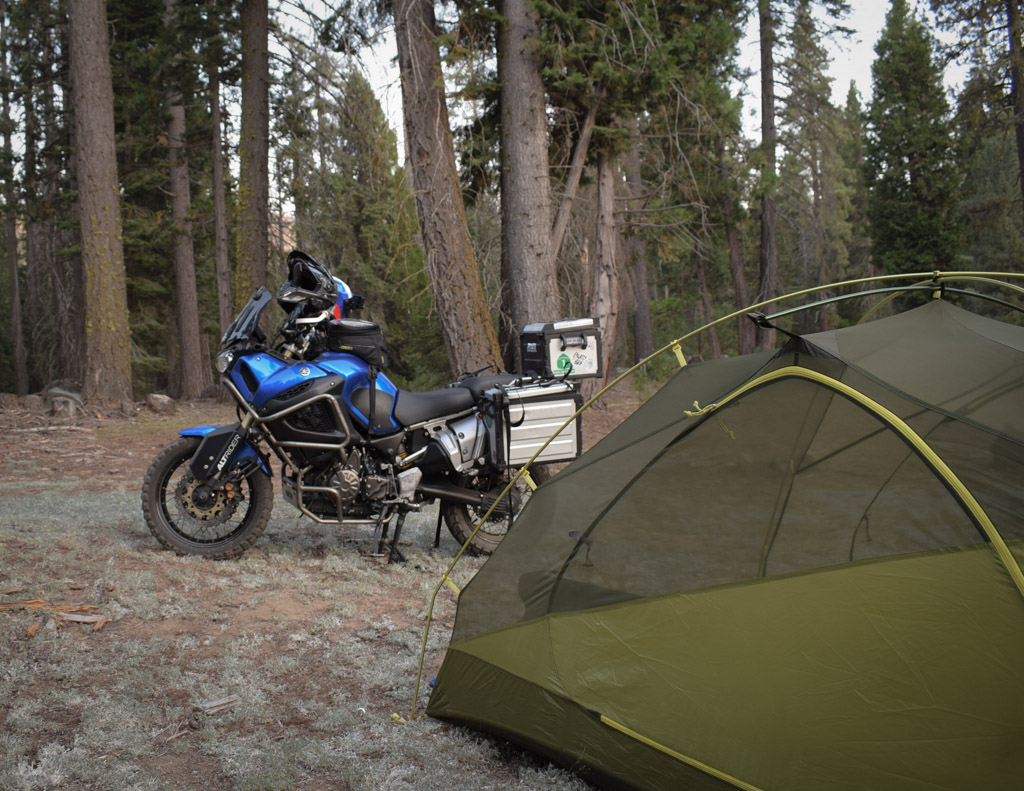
(344, 294)
(309, 282)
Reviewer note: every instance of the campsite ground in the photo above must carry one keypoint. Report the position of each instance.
(291, 668)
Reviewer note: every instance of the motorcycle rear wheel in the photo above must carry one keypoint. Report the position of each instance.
(220, 530)
(462, 519)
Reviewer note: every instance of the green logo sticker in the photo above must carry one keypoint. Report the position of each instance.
(563, 364)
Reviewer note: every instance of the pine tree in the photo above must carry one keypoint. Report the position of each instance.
(851, 149)
(909, 152)
(468, 332)
(814, 197)
(253, 183)
(353, 207)
(106, 342)
(15, 342)
(990, 33)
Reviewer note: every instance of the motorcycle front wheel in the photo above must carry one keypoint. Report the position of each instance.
(191, 519)
(462, 519)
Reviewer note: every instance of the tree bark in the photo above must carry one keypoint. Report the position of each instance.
(253, 182)
(746, 332)
(769, 263)
(636, 255)
(221, 268)
(1013, 29)
(469, 335)
(572, 181)
(107, 364)
(11, 219)
(706, 310)
(605, 291)
(35, 303)
(528, 266)
(195, 374)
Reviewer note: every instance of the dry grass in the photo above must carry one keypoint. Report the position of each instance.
(315, 643)
(318, 641)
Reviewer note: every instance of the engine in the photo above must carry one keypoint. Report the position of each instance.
(353, 488)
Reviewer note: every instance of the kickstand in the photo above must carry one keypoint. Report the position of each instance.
(380, 533)
(440, 521)
(395, 553)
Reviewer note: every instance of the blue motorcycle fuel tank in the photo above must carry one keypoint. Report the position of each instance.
(263, 376)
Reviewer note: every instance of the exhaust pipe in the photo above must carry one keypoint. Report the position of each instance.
(458, 494)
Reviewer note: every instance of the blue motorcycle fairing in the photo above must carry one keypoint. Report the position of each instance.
(357, 377)
(261, 377)
(254, 370)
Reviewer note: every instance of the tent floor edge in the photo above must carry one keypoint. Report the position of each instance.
(474, 693)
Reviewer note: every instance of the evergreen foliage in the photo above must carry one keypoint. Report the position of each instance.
(900, 186)
(353, 208)
(815, 180)
(910, 152)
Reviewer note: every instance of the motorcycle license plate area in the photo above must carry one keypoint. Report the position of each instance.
(524, 419)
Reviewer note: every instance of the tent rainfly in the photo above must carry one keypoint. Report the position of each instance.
(789, 570)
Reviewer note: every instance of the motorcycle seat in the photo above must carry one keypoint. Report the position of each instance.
(478, 384)
(412, 408)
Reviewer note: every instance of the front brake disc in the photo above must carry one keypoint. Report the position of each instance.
(218, 512)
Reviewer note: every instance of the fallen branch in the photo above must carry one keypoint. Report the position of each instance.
(78, 618)
(59, 609)
(29, 604)
(51, 428)
(217, 706)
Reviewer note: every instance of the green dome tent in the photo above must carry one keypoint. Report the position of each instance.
(790, 570)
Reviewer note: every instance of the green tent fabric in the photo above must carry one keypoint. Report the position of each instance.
(789, 570)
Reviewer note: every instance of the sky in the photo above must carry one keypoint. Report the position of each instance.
(851, 59)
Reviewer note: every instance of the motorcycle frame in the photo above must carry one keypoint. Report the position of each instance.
(280, 449)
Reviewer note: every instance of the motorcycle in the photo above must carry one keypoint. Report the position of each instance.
(354, 449)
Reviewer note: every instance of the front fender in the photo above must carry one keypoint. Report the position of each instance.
(196, 431)
(222, 447)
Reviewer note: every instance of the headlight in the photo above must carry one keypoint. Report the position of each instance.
(224, 360)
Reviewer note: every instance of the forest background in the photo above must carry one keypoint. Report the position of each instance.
(562, 158)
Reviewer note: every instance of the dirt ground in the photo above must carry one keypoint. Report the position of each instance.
(114, 451)
(123, 666)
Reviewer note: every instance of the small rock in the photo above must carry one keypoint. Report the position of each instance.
(9, 401)
(161, 404)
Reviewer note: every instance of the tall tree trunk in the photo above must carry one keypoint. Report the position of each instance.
(1013, 25)
(11, 218)
(706, 310)
(35, 304)
(528, 267)
(469, 335)
(195, 374)
(572, 181)
(769, 287)
(107, 363)
(636, 254)
(819, 233)
(253, 182)
(605, 289)
(65, 238)
(222, 272)
(746, 332)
